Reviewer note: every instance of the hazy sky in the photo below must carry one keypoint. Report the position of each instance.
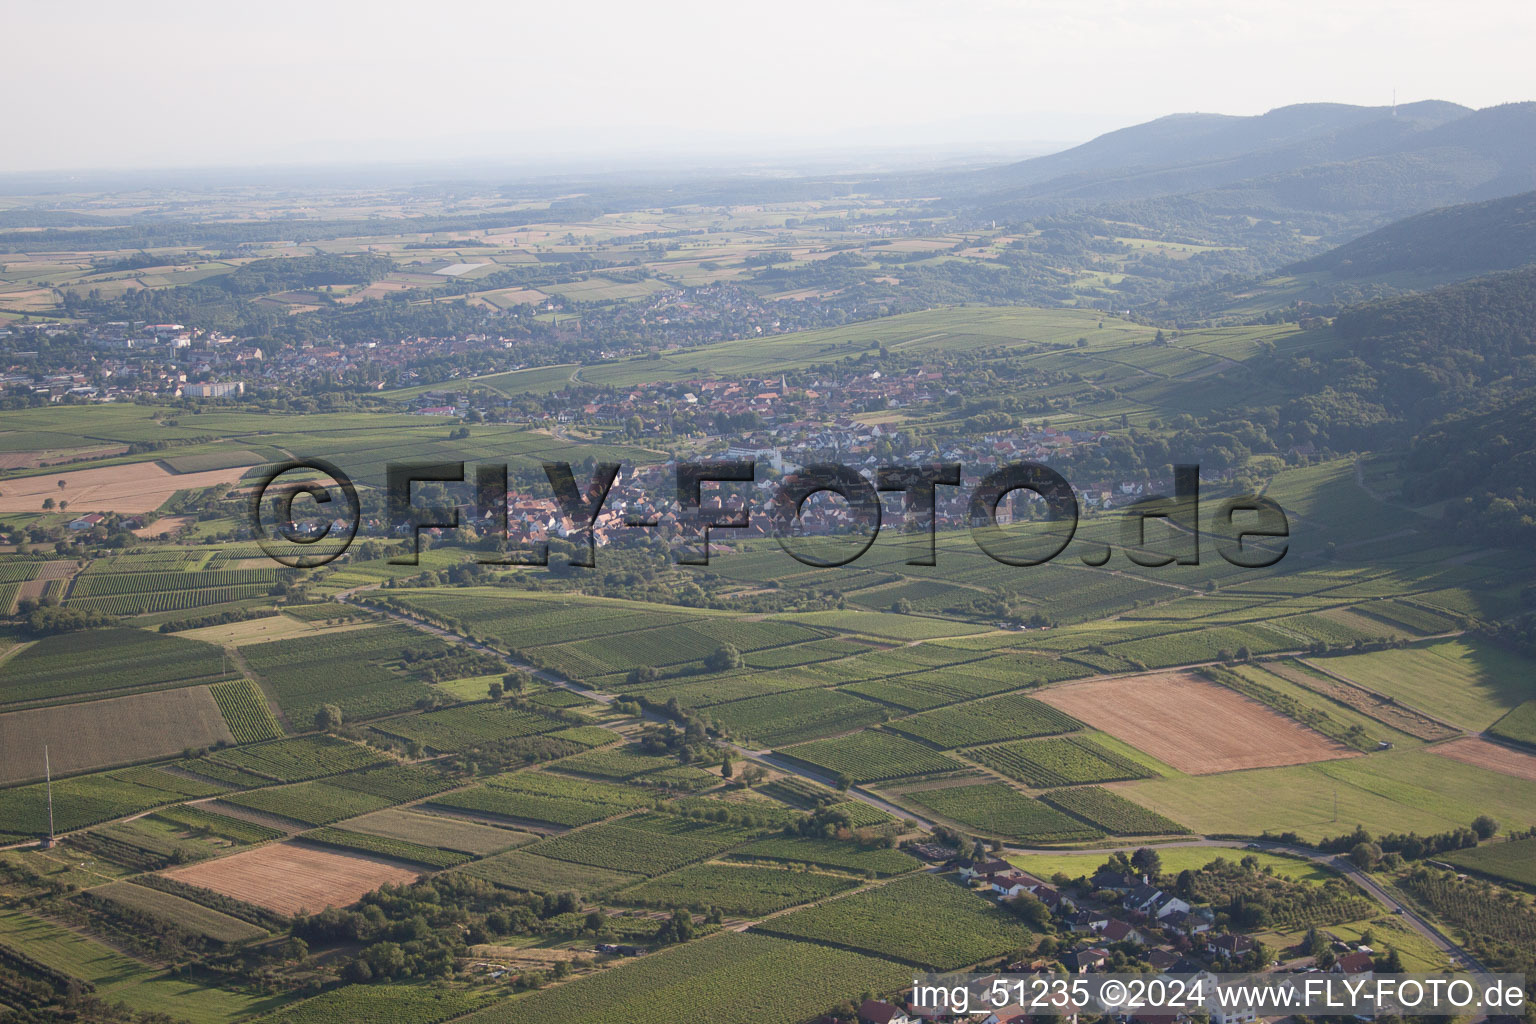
(191, 82)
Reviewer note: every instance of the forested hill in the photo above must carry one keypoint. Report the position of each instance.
(1320, 170)
(1182, 152)
(1499, 234)
(1448, 376)
(1398, 365)
(1412, 255)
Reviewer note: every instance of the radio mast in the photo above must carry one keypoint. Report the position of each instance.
(48, 776)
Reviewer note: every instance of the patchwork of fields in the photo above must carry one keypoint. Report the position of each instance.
(906, 689)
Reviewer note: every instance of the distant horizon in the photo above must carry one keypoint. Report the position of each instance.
(771, 158)
(172, 84)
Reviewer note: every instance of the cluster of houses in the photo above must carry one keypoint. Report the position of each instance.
(129, 359)
(1125, 908)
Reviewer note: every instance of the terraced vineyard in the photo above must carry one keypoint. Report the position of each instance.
(380, 1004)
(995, 808)
(833, 854)
(647, 844)
(245, 711)
(743, 891)
(88, 799)
(1112, 812)
(732, 979)
(399, 849)
(457, 728)
(871, 757)
(169, 600)
(547, 798)
(357, 670)
(1058, 762)
(1011, 716)
(310, 803)
(60, 667)
(298, 759)
(958, 927)
(618, 763)
(527, 872)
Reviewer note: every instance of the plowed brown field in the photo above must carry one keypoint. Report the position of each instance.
(1191, 723)
(291, 878)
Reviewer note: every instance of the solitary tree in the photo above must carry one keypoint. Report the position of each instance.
(328, 717)
(495, 689)
(724, 658)
(1147, 861)
(1485, 826)
(1365, 855)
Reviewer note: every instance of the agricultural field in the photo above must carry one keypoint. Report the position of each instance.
(729, 979)
(118, 730)
(119, 978)
(1174, 860)
(292, 878)
(446, 833)
(1509, 862)
(139, 487)
(359, 671)
(380, 1004)
(1519, 725)
(245, 712)
(298, 759)
(1468, 684)
(545, 798)
(325, 801)
(199, 820)
(87, 800)
(59, 668)
(1377, 707)
(182, 913)
(647, 844)
(1197, 726)
(1011, 716)
(394, 849)
(870, 757)
(620, 763)
(740, 891)
(1112, 812)
(309, 803)
(1495, 757)
(998, 809)
(1393, 791)
(1057, 762)
(461, 727)
(832, 854)
(519, 869)
(1009, 703)
(959, 927)
(794, 716)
